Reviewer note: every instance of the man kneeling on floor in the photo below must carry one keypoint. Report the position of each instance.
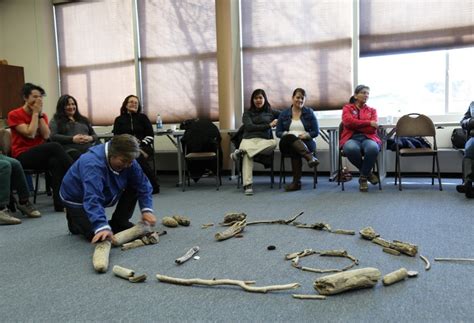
(106, 174)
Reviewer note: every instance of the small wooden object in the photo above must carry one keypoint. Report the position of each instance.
(100, 259)
(137, 231)
(191, 252)
(395, 276)
(347, 280)
(233, 230)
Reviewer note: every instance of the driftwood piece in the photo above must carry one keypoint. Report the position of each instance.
(426, 261)
(182, 220)
(191, 252)
(169, 222)
(404, 247)
(308, 296)
(395, 276)
(281, 221)
(381, 242)
(212, 282)
(342, 231)
(368, 233)
(315, 226)
(326, 253)
(207, 225)
(132, 245)
(100, 259)
(137, 231)
(123, 272)
(348, 280)
(137, 279)
(391, 251)
(454, 259)
(300, 254)
(236, 228)
(232, 217)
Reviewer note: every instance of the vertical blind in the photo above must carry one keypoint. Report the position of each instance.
(389, 26)
(96, 58)
(298, 43)
(178, 56)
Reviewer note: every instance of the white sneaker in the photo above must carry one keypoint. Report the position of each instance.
(6, 218)
(236, 155)
(248, 190)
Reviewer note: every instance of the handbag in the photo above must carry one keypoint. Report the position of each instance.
(458, 138)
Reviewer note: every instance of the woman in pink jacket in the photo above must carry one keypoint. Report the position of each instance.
(359, 139)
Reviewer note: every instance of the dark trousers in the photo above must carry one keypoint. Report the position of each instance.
(149, 173)
(78, 222)
(52, 157)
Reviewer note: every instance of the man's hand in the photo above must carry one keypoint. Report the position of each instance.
(149, 218)
(102, 236)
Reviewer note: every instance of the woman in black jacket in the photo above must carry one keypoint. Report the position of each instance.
(258, 122)
(133, 122)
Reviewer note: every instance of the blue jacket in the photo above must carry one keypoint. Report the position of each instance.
(308, 119)
(91, 183)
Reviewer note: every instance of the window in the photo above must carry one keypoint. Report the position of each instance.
(416, 82)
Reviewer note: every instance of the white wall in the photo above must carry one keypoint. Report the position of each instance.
(27, 39)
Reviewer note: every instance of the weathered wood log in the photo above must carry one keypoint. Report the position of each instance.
(342, 231)
(308, 296)
(100, 259)
(182, 220)
(207, 225)
(191, 252)
(123, 272)
(152, 237)
(427, 262)
(404, 247)
(381, 242)
(212, 282)
(137, 279)
(236, 228)
(348, 280)
(395, 276)
(137, 231)
(391, 251)
(368, 233)
(132, 245)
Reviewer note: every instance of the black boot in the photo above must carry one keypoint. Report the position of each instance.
(300, 147)
(468, 177)
(296, 168)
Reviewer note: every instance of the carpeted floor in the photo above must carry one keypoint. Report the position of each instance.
(47, 275)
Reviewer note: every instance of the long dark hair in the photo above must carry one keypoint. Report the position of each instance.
(61, 117)
(124, 110)
(266, 106)
(358, 88)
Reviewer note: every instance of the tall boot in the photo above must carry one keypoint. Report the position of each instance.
(296, 168)
(300, 147)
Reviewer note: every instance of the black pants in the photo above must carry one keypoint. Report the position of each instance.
(78, 222)
(52, 157)
(149, 173)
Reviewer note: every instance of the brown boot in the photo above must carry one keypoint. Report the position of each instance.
(300, 147)
(296, 168)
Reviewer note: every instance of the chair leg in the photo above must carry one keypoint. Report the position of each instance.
(395, 172)
(377, 171)
(36, 188)
(282, 171)
(439, 173)
(433, 171)
(218, 176)
(399, 174)
(315, 177)
(184, 177)
(272, 175)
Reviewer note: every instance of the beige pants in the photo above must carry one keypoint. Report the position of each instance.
(252, 147)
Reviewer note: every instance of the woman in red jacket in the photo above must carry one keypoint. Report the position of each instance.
(359, 139)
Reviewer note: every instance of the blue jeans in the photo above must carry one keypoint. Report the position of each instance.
(469, 148)
(362, 153)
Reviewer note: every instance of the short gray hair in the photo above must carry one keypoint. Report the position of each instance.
(126, 146)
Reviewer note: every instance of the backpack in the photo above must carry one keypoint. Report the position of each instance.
(458, 138)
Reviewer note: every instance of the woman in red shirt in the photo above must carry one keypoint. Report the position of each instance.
(359, 139)
(30, 130)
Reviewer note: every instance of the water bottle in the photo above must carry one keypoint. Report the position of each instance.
(159, 122)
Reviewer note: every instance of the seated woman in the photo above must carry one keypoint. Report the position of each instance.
(12, 178)
(467, 123)
(258, 122)
(29, 126)
(71, 129)
(133, 122)
(297, 127)
(359, 139)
